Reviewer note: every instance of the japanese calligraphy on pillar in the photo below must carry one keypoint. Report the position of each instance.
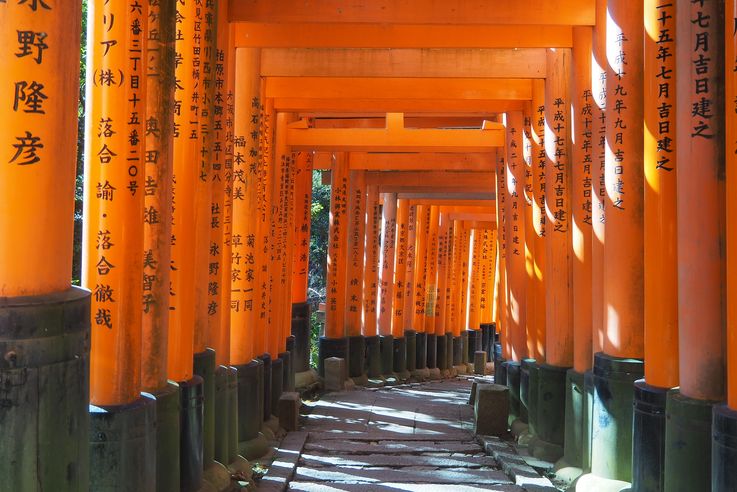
(388, 239)
(400, 265)
(408, 308)
(303, 202)
(265, 138)
(336, 281)
(584, 154)
(356, 228)
(539, 161)
(371, 265)
(431, 267)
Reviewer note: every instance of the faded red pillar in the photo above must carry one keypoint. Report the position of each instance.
(538, 219)
(371, 280)
(386, 280)
(701, 226)
(534, 345)
(420, 272)
(355, 257)
(400, 273)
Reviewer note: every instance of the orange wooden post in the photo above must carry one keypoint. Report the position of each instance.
(699, 54)
(501, 220)
(529, 204)
(474, 283)
(408, 299)
(400, 267)
(515, 224)
(386, 280)
(45, 322)
(371, 280)
(454, 280)
(113, 260)
(539, 219)
(418, 287)
(443, 336)
(431, 286)
(463, 285)
(354, 290)
(724, 415)
(334, 343)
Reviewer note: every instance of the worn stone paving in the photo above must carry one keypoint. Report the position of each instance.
(416, 437)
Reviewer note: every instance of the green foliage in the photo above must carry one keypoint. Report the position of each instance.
(315, 332)
(319, 238)
(79, 184)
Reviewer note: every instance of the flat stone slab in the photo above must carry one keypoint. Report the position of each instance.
(394, 487)
(394, 447)
(406, 474)
(439, 461)
(383, 435)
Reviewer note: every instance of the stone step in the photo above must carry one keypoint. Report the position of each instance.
(447, 461)
(418, 474)
(393, 447)
(305, 486)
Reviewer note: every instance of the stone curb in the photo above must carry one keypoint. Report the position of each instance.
(515, 466)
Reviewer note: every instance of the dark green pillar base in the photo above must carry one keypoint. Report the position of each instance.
(551, 412)
(533, 391)
(432, 351)
(250, 399)
(611, 430)
(588, 416)
(232, 401)
(485, 333)
(286, 364)
(266, 386)
(724, 449)
(192, 395)
(448, 351)
(473, 343)
(442, 352)
(411, 344)
(513, 370)
(524, 389)
(373, 356)
(688, 440)
(331, 347)
(573, 447)
(44, 395)
(464, 347)
(204, 367)
(500, 371)
(457, 351)
(167, 437)
(496, 351)
(356, 356)
(387, 355)
(301, 334)
(399, 356)
(421, 352)
(648, 439)
(123, 446)
(277, 383)
(301, 310)
(222, 421)
(289, 380)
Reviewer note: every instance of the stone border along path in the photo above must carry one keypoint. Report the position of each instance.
(415, 437)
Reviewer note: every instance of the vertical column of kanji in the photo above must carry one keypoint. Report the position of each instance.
(187, 146)
(558, 284)
(300, 327)
(501, 221)
(515, 224)
(488, 293)
(431, 286)
(581, 217)
(371, 280)
(660, 240)
(444, 342)
(451, 319)
(334, 343)
(538, 218)
(724, 456)
(418, 304)
(400, 275)
(158, 167)
(386, 280)
(701, 243)
(533, 343)
(113, 242)
(474, 283)
(354, 290)
(463, 285)
(623, 250)
(262, 239)
(44, 322)
(408, 310)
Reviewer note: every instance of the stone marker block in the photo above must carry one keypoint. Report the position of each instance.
(491, 409)
(335, 373)
(479, 362)
(288, 410)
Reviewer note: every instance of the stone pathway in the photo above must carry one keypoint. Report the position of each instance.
(415, 437)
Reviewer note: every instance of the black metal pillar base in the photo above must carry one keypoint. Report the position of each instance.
(724, 448)
(457, 351)
(204, 367)
(331, 347)
(573, 444)
(301, 334)
(356, 356)
(688, 443)
(277, 383)
(222, 420)
(500, 371)
(513, 380)
(232, 392)
(44, 377)
(611, 445)
(442, 352)
(485, 334)
(192, 394)
(648, 439)
(266, 409)
(387, 355)
(551, 412)
(524, 389)
(432, 351)
(289, 380)
(496, 352)
(250, 399)
(421, 352)
(167, 437)
(400, 355)
(286, 364)
(411, 349)
(533, 394)
(474, 343)
(464, 347)
(123, 446)
(301, 310)
(588, 416)
(373, 356)
(448, 350)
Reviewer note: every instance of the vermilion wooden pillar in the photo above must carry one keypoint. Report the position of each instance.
(400, 274)
(409, 310)
(371, 280)
(454, 283)
(533, 343)
(386, 280)
(263, 226)
(44, 322)
(538, 218)
(303, 221)
(431, 287)
(701, 243)
(501, 220)
(463, 286)
(444, 336)
(355, 257)
(419, 286)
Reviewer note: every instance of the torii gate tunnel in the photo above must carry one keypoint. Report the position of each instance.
(544, 183)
